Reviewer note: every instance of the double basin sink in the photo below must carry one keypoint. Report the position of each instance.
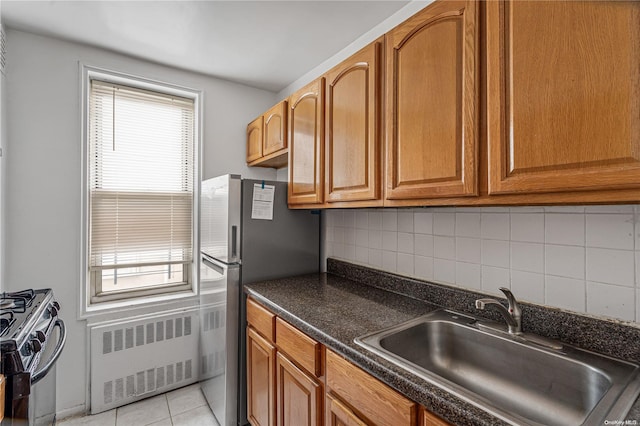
(517, 379)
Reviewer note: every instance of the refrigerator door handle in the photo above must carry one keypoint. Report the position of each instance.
(234, 242)
(213, 266)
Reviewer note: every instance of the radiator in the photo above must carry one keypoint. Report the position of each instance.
(137, 358)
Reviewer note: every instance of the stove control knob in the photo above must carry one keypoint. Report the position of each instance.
(35, 346)
(53, 311)
(40, 336)
(56, 305)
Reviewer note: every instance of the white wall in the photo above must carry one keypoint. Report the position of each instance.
(43, 167)
(582, 259)
(392, 21)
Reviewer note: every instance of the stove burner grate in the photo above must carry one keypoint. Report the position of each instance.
(6, 321)
(17, 302)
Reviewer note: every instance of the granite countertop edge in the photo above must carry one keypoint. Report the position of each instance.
(313, 316)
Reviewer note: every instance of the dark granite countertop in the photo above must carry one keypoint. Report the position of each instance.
(334, 310)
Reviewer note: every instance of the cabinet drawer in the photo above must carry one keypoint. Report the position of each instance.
(301, 348)
(261, 319)
(375, 400)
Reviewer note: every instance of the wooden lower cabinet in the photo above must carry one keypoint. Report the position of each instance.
(338, 414)
(299, 395)
(430, 419)
(260, 380)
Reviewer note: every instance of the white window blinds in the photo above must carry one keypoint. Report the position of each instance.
(141, 177)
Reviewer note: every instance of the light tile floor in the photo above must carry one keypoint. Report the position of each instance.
(181, 407)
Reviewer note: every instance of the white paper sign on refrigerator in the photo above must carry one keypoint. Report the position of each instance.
(262, 205)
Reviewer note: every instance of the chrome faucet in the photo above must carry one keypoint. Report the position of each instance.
(513, 315)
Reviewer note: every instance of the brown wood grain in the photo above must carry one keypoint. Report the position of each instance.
(299, 396)
(299, 347)
(261, 356)
(261, 319)
(275, 129)
(353, 139)
(338, 414)
(376, 401)
(432, 103)
(429, 419)
(563, 96)
(254, 140)
(306, 144)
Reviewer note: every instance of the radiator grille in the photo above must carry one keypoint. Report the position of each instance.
(138, 358)
(3, 50)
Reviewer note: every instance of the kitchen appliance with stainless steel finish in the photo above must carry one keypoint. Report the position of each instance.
(32, 337)
(246, 236)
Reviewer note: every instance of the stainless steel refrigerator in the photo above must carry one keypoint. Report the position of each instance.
(247, 234)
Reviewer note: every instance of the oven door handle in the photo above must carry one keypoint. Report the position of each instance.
(38, 375)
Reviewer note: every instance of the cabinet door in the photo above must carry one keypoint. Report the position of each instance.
(275, 129)
(299, 396)
(260, 380)
(431, 103)
(306, 149)
(430, 419)
(353, 137)
(339, 414)
(562, 95)
(254, 140)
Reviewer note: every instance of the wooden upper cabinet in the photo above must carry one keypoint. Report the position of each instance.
(275, 129)
(353, 139)
(563, 95)
(306, 148)
(432, 98)
(254, 140)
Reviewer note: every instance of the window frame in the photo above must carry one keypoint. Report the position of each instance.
(90, 299)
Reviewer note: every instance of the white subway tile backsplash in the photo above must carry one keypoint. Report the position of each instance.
(622, 208)
(468, 250)
(375, 258)
(350, 235)
(564, 261)
(390, 220)
(405, 221)
(405, 264)
(527, 227)
(423, 244)
(349, 218)
(611, 266)
(375, 239)
(468, 275)
(613, 231)
(611, 300)
(528, 286)
(362, 219)
(390, 240)
(375, 220)
(389, 261)
(362, 254)
(493, 278)
(564, 229)
(564, 209)
(362, 237)
(495, 226)
(423, 267)
(495, 253)
(423, 222)
(444, 223)
(444, 247)
(527, 257)
(572, 257)
(350, 252)
(467, 225)
(565, 293)
(444, 271)
(405, 242)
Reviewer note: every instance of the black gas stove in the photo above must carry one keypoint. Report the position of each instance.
(28, 323)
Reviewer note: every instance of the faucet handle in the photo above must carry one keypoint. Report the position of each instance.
(514, 309)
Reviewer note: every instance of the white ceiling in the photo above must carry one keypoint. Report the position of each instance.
(265, 44)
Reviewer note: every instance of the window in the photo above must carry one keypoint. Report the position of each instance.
(141, 171)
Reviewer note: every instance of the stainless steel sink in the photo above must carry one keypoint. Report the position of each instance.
(516, 380)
